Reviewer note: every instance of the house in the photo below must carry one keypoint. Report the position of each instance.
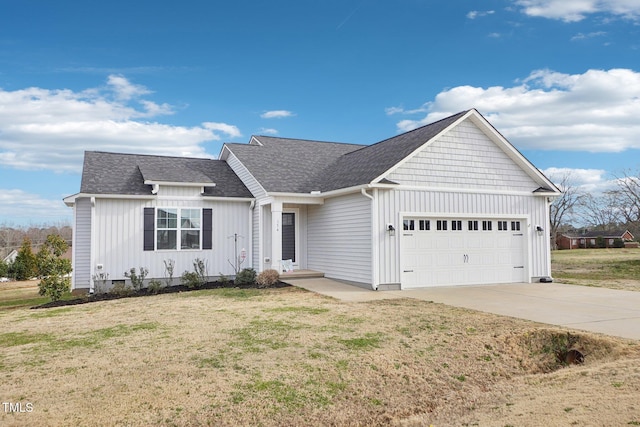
(450, 203)
(11, 257)
(589, 239)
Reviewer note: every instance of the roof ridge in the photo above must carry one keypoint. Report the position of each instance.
(150, 155)
(307, 140)
(404, 134)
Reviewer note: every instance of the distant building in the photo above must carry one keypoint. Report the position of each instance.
(589, 240)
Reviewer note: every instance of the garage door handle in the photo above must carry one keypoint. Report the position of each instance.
(519, 266)
(407, 271)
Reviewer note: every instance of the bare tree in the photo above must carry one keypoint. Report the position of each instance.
(628, 196)
(600, 212)
(563, 207)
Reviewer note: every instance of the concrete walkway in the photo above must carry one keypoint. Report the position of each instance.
(607, 311)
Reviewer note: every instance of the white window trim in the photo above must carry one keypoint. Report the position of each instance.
(178, 229)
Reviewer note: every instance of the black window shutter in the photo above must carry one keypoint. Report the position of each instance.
(207, 228)
(149, 228)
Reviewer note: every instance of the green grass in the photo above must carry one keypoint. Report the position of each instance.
(297, 310)
(596, 265)
(366, 342)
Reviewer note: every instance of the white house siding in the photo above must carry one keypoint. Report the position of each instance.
(393, 203)
(120, 251)
(82, 244)
(466, 158)
(339, 238)
(255, 224)
(258, 192)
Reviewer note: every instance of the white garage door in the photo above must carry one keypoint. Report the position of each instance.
(445, 252)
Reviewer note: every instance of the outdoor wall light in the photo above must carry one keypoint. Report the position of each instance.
(539, 230)
(391, 229)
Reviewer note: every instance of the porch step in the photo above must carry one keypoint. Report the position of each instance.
(301, 274)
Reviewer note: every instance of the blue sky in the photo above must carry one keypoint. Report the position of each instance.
(559, 78)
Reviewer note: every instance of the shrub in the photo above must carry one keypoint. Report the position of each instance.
(137, 279)
(53, 270)
(197, 277)
(191, 279)
(600, 242)
(100, 282)
(618, 243)
(268, 278)
(169, 266)
(223, 279)
(154, 286)
(120, 288)
(246, 277)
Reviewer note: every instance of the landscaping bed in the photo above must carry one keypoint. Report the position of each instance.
(131, 293)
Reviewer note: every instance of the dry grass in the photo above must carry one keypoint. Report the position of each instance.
(608, 268)
(289, 357)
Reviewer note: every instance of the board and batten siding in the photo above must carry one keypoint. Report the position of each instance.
(119, 236)
(339, 238)
(464, 157)
(258, 192)
(82, 244)
(392, 203)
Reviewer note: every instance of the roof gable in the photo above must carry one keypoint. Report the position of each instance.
(301, 166)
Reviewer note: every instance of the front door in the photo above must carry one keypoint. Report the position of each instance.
(289, 236)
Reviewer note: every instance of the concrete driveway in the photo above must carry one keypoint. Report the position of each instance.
(606, 311)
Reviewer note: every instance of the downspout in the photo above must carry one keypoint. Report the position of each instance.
(93, 244)
(547, 236)
(252, 206)
(374, 240)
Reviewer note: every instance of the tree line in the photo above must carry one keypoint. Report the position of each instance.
(615, 209)
(12, 237)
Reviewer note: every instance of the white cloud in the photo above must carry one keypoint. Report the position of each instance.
(18, 204)
(477, 13)
(577, 10)
(42, 129)
(596, 111)
(268, 131)
(230, 130)
(582, 36)
(591, 180)
(276, 114)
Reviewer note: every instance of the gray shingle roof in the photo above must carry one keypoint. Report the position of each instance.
(607, 234)
(115, 173)
(290, 165)
(302, 166)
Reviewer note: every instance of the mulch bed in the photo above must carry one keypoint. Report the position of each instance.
(145, 292)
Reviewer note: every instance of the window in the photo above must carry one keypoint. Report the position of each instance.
(441, 225)
(473, 225)
(515, 225)
(408, 225)
(190, 229)
(486, 225)
(502, 226)
(168, 228)
(456, 225)
(425, 225)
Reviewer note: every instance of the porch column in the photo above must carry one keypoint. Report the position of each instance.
(276, 236)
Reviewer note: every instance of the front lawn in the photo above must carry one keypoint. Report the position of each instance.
(290, 357)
